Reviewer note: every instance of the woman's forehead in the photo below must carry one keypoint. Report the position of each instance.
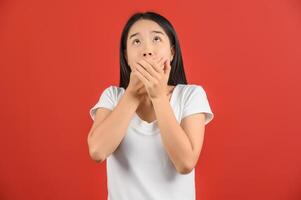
(145, 26)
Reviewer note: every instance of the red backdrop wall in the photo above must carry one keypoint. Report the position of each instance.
(56, 58)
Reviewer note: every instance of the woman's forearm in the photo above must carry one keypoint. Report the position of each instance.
(174, 138)
(107, 136)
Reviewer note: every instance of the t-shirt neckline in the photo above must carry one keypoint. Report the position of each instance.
(151, 127)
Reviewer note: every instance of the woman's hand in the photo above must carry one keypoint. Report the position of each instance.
(136, 88)
(154, 75)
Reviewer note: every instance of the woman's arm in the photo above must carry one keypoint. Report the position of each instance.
(107, 135)
(183, 147)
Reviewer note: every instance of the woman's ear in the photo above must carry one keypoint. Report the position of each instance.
(172, 53)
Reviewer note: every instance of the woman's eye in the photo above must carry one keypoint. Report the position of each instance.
(158, 38)
(155, 38)
(135, 41)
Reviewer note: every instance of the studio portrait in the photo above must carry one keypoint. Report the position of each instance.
(150, 100)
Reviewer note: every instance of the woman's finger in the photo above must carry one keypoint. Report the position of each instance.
(149, 69)
(154, 67)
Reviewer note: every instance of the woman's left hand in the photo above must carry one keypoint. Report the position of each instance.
(154, 74)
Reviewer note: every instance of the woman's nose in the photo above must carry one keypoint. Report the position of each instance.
(147, 54)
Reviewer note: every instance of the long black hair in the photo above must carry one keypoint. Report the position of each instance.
(177, 73)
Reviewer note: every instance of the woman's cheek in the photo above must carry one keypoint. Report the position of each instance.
(131, 64)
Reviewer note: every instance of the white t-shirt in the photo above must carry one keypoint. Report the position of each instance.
(140, 169)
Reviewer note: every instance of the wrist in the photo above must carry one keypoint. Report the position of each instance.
(160, 99)
(131, 96)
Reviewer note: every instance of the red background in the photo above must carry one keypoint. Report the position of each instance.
(56, 58)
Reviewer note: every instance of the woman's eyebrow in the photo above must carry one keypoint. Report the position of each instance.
(151, 32)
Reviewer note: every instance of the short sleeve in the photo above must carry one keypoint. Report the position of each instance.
(106, 100)
(196, 101)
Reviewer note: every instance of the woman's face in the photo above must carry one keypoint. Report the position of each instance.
(146, 39)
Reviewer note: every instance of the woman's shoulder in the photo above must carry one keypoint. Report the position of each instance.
(114, 89)
(112, 92)
(184, 88)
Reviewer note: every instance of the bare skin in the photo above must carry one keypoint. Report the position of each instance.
(151, 46)
(146, 110)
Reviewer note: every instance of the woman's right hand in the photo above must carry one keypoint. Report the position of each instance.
(136, 87)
